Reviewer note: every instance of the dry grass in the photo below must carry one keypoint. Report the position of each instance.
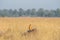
(13, 28)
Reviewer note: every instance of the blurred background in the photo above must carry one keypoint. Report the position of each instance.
(30, 8)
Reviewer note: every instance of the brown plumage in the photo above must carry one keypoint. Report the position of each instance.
(30, 28)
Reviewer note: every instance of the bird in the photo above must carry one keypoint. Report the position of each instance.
(30, 27)
(30, 31)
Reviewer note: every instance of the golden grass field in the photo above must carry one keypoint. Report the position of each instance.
(14, 28)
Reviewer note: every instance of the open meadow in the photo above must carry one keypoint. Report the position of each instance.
(16, 28)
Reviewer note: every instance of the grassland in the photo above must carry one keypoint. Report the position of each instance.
(14, 28)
